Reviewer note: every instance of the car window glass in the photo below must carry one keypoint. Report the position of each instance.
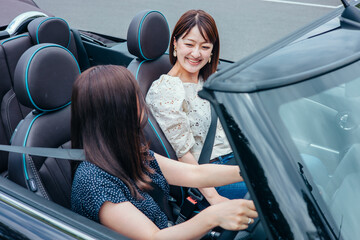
(322, 118)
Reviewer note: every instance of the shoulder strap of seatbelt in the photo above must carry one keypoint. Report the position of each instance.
(209, 140)
(70, 154)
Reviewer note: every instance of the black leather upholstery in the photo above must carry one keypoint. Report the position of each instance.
(148, 35)
(41, 30)
(50, 30)
(43, 81)
(148, 38)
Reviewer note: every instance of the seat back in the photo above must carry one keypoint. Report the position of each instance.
(148, 39)
(43, 81)
(40, 30)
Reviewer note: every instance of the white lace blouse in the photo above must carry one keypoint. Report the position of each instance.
(184, 117)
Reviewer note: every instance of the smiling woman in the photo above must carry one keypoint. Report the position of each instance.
(197, 39)
(191, 53)
(173, 100)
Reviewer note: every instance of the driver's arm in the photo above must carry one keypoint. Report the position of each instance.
(126, 219)
(210, 194)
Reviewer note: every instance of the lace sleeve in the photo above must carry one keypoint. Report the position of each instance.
(166, 101)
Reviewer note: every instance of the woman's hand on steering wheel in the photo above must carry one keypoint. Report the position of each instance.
(235, 214)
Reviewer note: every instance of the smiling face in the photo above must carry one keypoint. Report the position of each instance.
(193, 52)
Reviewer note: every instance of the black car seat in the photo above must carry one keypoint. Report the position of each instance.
(41, 30)
(43, 81)
(148, 39)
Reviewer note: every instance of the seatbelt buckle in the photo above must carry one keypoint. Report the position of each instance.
(187, 210)
(195, 194)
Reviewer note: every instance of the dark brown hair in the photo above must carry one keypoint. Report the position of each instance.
(106, 123)
(209, 32)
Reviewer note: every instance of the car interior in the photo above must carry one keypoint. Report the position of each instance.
(12, 112)
(50, 54)
(328, 140)
(48, 125)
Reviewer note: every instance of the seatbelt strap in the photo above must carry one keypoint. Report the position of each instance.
(69, 154)
(209, 140)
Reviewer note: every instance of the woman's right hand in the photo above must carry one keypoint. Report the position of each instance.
(234, 215)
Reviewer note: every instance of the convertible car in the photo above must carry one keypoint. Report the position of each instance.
(291, 114)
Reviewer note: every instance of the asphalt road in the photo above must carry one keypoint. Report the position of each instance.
(245, 26)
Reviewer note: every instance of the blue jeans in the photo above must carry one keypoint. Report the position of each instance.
(234, 190)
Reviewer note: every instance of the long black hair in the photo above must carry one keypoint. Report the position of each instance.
(107, 118)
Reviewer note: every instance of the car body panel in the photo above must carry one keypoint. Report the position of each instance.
(14, 8)
(24, 215)
(282, 193)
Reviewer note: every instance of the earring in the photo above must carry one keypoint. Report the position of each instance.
(209, 59)
(174, 53)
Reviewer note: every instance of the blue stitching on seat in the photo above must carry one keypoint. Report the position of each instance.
(168, 155)
(37, 36)
(24, 144)
(152, 126)
(138, 70)
(158, 136)
(9, 39)
(27, 71)
(139, 33)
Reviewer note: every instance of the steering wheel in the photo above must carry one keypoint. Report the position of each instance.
(242, 234)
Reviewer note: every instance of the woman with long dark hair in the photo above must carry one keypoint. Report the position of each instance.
(113, 185)
(183, 116)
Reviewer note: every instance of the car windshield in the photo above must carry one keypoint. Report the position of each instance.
(321, 116)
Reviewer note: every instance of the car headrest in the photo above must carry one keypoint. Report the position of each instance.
(44, 76)
(50, 30)
(148, 35)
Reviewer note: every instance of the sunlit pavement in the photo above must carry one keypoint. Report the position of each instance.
(245, 26)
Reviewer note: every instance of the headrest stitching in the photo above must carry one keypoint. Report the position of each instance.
(158, 136)
(27, 71)
(37, 30)
(6, 40)
(139, 33)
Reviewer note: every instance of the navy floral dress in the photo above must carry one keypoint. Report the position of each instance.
(92, 186)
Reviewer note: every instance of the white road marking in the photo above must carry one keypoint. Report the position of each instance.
(301, 3)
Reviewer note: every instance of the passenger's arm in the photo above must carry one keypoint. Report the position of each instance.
(211, 195)
(169, 109)
(126, 219)
(199, 176)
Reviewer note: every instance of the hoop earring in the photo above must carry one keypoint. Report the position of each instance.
(174, 53)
